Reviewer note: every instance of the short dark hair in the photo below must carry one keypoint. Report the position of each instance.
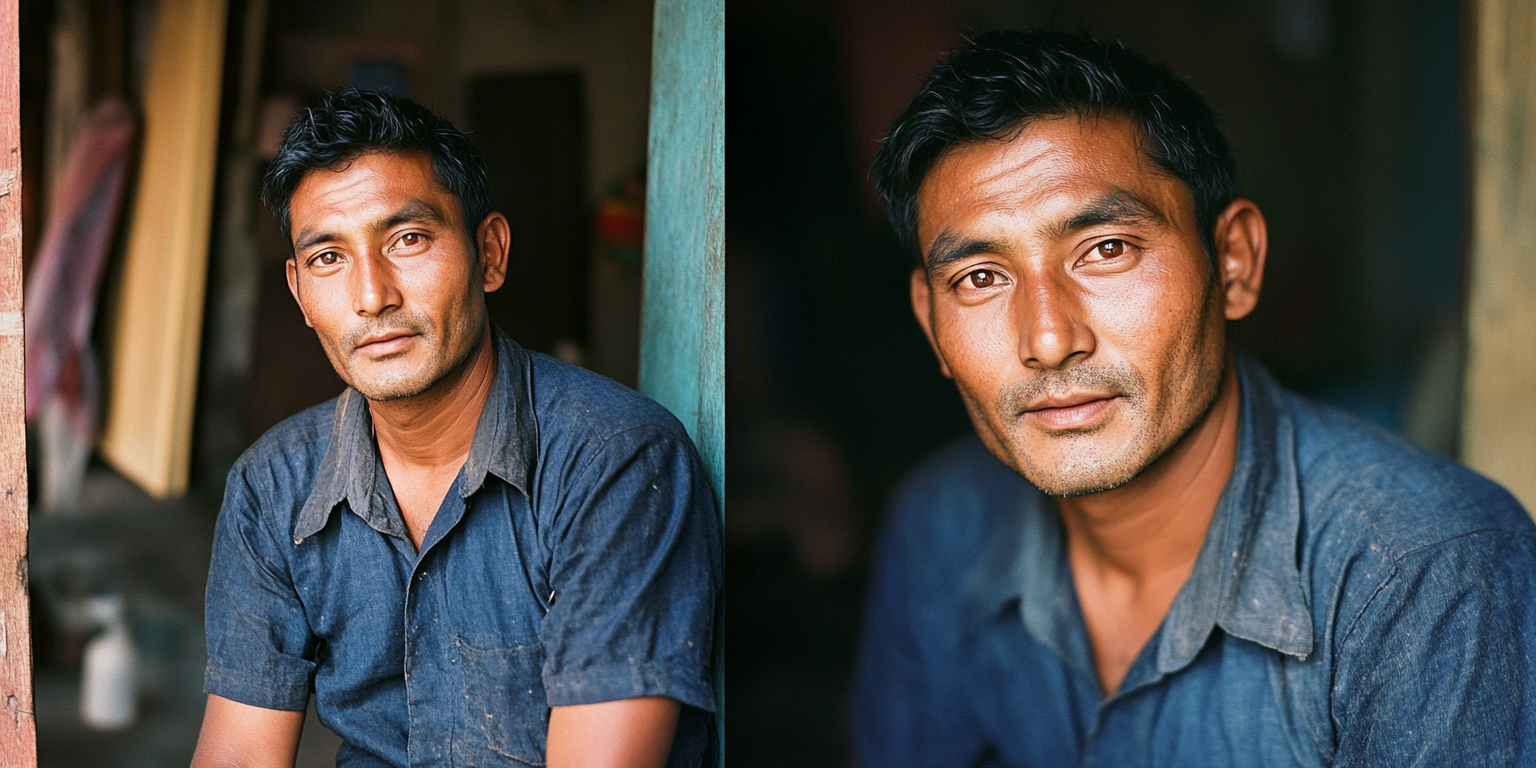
(990, 89)
(351, 123)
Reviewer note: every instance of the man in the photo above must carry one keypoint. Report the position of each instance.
(476, 555)
(1154, 555)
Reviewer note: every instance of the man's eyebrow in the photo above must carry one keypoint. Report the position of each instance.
(1117, 206)
(416, 211)
(308, 239)
(949, 247)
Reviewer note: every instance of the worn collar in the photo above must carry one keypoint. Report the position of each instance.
(505, 445)
(1245, 579)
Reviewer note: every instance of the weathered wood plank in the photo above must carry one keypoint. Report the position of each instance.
(682, 328)
(152, 384)
(1499, 424)
(18, 731)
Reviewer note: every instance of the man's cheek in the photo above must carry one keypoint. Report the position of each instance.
(978, 340)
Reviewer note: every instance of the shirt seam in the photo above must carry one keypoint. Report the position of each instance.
(603, 441)
(264, 521)
(1397, 562)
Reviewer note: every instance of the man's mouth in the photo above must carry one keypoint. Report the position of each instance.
(1073, 411)
(385, 343)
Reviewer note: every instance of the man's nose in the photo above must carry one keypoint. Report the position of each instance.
(374, 290)
(1052, 326)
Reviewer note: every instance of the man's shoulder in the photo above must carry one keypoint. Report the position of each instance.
(1362, 483)
(956, 504)
(288, 455)
(574, 404)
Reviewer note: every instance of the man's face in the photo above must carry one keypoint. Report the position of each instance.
(386, 273)
(1067, 291)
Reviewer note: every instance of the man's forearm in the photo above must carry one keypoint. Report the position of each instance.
(236, 735)
(629, 733)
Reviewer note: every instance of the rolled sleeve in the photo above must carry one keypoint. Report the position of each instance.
(636, 572)
(259, 645)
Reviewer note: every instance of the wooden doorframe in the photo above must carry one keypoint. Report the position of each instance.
(682, 325)
(18, 729)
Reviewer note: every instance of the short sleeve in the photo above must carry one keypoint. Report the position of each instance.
(259, 645)
(1440, 667)
(635, 566)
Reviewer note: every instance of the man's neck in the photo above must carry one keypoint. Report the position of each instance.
(1158, 522)
(433, 432)
(1131, 549)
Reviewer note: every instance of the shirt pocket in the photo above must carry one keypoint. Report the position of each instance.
(506, 711)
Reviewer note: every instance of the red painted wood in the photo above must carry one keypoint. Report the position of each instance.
(18, 730)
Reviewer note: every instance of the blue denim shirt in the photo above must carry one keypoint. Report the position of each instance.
(575, 559)
(1357, 602)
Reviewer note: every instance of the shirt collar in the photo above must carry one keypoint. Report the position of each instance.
(505, 445)
(1245, 579)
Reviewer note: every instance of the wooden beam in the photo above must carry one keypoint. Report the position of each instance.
(18, 730)
(1499, 432)
(682, 327)
(152, 384)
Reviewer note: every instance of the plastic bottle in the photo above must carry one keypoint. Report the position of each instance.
(108, 669)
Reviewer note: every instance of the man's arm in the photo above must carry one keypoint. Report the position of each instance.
(239, 735)
(628, 733)
(258, 675)
(906, 711)
(1439, 669)
(635, 568)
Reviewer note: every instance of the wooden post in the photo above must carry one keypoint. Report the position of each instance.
(682, 328)
(18, 730)
(1499, 427)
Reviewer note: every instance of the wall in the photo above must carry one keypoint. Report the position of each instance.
(609, 42)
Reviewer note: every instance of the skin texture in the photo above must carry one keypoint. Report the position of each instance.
(386, 272)
(1067, 292)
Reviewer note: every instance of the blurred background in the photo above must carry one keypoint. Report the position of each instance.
(1349, 122)
(146, 125)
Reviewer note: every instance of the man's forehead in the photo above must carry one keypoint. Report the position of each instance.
(1052, 172)
(366, 191)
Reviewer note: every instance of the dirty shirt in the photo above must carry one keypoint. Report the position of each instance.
(575, 559)
(1357, 603)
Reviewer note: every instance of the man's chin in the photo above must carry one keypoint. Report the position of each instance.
(384, 388)
(1081, 472)
(1061, 487)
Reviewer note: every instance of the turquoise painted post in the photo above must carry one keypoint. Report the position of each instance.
(682, 327)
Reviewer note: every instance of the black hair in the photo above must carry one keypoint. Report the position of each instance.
(991, 88)
(351, 123)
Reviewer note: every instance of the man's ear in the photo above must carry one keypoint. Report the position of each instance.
(494, 236)
(922, 307)
(293, 287)
(1242, 240)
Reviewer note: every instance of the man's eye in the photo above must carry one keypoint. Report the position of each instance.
(327, 259)
(982, 278)
(410, 238)
(1109, 249)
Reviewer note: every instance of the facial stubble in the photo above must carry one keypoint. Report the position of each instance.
(416, 382)
(1081, 472)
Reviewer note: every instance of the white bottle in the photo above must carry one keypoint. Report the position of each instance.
(108, 685)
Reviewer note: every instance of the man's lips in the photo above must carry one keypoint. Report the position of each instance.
(386, 343)
(1069, 411)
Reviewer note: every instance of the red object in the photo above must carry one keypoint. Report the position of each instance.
(621, 222)
(61, 290)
